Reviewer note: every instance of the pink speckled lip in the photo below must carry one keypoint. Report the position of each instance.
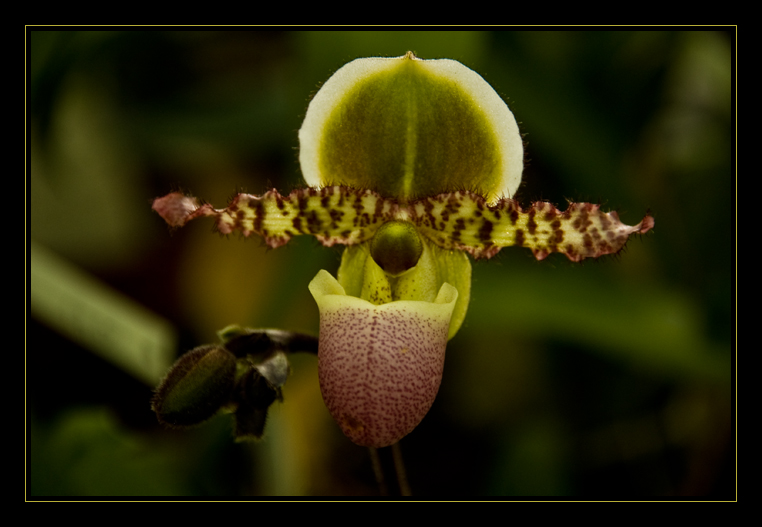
(380, 366)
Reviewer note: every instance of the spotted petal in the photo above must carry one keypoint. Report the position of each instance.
(380, 366)
(456, 220)
(331, 214)
(462, 220)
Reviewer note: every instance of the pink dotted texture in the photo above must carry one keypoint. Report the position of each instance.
(380, 369)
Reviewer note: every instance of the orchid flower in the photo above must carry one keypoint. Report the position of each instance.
(413, 165)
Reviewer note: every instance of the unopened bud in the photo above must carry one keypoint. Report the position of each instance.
(196, 387)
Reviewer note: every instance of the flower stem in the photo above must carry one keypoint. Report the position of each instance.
(389, 468)
(244, 342)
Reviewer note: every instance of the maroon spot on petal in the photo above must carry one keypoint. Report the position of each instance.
(336, 216)
(313, 222)
(572, 254)
(514, 215)
(519, 237)
(379, 208)
(259, 215)
(531, 224)
(485, 231)
(605, 222)
(587, 241)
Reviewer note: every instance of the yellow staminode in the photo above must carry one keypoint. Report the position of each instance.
(410, 128)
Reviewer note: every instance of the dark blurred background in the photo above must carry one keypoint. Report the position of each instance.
(606, 379)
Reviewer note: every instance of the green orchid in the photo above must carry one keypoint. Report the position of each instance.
(413, 165)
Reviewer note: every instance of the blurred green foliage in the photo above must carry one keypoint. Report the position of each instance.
(610, 379)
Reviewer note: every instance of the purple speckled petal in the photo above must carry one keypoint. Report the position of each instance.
(380, 366)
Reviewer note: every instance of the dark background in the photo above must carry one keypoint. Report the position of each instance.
(606, 379)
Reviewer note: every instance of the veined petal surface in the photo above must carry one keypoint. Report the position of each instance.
(408, 128)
